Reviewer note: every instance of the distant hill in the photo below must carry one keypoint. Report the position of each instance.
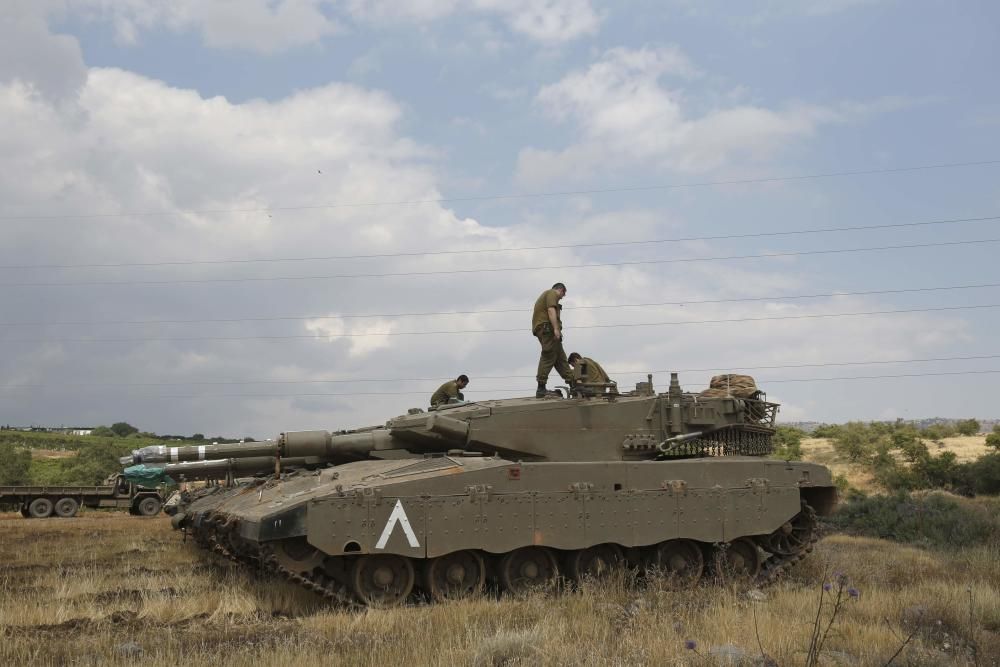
(985, 425)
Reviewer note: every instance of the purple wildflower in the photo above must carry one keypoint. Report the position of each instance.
(854, 593)
(827, 586)
(690, 644)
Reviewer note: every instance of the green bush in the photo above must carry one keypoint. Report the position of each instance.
(993, 439)
(934, 520)
(967, 427)
(826, 431)
(983, 475)
(788, 443)
(15, 464)
(939, 431)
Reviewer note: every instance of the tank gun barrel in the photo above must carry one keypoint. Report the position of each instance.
(164, 454)
(320, 445)
(221, 468)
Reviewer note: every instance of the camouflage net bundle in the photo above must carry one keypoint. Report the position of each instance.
(731, 384)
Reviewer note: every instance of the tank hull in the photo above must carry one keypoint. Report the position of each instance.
(429, 509)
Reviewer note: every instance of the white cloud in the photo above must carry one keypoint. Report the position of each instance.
(31, 54)
(265, 26)
(268, 26)
(624, 113)
(550, 21)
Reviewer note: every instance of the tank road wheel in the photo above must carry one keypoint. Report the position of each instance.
(149, 506)
(382, 580)
(528, 569)
(793, 536)
(297, 555)
(739, 558)
(681, 561)
(455, 575)
(40, 508)
(66, 507)
(593, 562)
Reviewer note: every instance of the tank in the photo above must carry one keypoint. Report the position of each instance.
(522, 493)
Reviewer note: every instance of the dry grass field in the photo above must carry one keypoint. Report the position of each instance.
(119, 590)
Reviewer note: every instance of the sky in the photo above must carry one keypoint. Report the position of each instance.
(242, 218)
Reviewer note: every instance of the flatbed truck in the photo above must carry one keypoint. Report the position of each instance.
(39, 502)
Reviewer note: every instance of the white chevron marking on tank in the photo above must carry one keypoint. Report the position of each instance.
(398, 516)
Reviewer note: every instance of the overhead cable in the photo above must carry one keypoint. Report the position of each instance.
(345, 316)
(477, 377)
(430, 253)
(482, 331)
(522, 391)
(647, 262)
(523, 195)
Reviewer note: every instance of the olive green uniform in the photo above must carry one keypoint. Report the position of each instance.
(553, 354)
(589, 371)
(446, 392)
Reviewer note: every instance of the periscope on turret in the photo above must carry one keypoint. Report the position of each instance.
(521, 491)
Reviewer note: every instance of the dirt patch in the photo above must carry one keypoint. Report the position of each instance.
(53, 454)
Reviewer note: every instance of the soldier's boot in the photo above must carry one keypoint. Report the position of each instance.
(541, 392)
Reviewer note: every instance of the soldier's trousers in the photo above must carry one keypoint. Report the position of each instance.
(553, 354)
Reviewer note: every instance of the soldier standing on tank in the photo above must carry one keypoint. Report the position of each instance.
(546, 325)
(587, 370)
(450, 391)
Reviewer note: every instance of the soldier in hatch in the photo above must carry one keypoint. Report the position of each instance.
(450, 391)
(587, 370)
(546, 326)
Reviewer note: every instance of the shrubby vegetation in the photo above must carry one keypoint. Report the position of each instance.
(788, 443)
(880, 446)
(993, 439)
(15, 464)
(935, 519)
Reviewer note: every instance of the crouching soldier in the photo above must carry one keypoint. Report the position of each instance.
(450, 392)
(587, 371)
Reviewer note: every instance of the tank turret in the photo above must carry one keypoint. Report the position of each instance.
(527, 489)
(607, 427)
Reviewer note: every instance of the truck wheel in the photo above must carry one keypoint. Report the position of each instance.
(149, 507)
(66, 507)
(40, 508)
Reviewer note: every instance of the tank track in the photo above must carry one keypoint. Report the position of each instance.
(266, 561)
(774, 567)
(217, 537)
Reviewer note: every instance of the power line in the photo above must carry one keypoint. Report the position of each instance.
(481, 331)
(345, 316)
(500, 197)
(881, 377)
(820, 230)
(500, 377)
(522, 391)
(189, 281)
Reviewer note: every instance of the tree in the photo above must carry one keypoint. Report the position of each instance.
(993, 439)
(967, 427)
(15, 464)
(788, 443)
(198, 436)
(123, 429)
